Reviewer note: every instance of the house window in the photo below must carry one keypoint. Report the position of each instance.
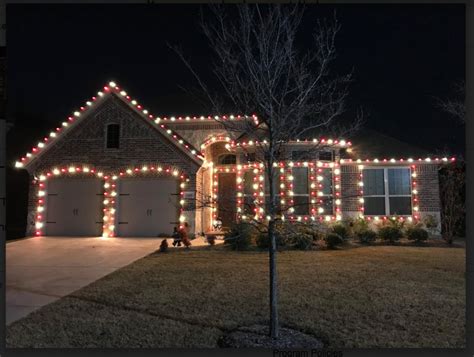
(387, 191)
(300, 191)
(302, 155)
(249, 199)
(227, 159)
(113, 136)
(276, 190)
(326, 155)
(326, 199)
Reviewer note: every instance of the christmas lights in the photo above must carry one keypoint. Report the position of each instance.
(322, 142)
(77, 116)
(395, 161)
(208, 118)
(41, 193)
(110, 191)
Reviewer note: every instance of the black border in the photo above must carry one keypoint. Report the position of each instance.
(469, 351)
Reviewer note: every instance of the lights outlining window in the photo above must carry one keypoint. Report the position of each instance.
(113, 136)
(387, 191)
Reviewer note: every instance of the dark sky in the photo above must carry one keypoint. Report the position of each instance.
(59, 56)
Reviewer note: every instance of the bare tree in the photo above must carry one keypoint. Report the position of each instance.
(452, 187)
(455, 106)
(261, 71)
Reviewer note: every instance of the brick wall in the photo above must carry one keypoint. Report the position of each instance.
(350, 190)
(428, 187)
(140, 144)
(428, 191)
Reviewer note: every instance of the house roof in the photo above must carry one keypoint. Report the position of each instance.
(111, 89)
(371, 144)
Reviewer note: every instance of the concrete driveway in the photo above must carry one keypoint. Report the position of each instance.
(41, 270)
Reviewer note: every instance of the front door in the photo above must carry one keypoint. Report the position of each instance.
(226, 201)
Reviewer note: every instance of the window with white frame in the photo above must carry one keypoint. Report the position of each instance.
(387, 191)
(300, 191)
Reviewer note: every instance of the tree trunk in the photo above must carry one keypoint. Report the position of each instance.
(274, 326)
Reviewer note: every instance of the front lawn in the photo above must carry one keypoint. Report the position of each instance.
(379, 296)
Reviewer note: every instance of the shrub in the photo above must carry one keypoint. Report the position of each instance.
(417, 234)
(301, 241)
(358, 225)
(262, 240)
(341, 230)
(164, 246)
(332, 240)
(390, 233)
(366, 236)
(239, 236)
(431, 223)
(289, 235)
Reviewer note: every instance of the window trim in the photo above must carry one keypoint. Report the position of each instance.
(387, 194)
(107, 133)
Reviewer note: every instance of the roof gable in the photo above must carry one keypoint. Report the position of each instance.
(112, 89)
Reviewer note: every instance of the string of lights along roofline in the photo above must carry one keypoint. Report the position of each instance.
(113, 87)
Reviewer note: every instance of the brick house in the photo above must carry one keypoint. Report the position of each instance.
(113, 169)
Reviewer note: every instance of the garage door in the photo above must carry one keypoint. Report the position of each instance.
(74, 207)
(147, 207)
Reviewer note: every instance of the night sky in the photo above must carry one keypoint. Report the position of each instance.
(59, 56)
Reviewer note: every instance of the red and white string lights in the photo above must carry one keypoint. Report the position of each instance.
(110, 191)
(285, 169)
(162, 170)
(42, 193)
(322, 142)
(208, 118)
(415, 215)
(78, 115)
(414, 193)
(397, 161)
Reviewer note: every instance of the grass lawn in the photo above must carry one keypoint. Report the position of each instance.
(377, 296)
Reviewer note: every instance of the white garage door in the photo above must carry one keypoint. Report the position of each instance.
(147, 207)
(74, 207)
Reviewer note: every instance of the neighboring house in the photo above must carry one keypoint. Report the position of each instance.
(113, 169)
